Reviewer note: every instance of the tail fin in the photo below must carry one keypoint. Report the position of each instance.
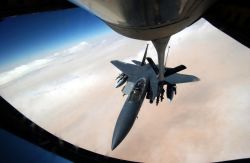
(153, 65)
(171, 71)
(144, 56)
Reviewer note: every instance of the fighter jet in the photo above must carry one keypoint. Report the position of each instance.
(143, 82)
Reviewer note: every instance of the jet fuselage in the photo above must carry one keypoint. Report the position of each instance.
(129, 111)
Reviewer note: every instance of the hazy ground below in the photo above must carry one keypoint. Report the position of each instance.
(71, 94)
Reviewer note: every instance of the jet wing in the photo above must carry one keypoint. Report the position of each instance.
(126, 68)
(181, 78)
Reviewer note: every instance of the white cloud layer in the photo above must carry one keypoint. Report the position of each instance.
(23, 70)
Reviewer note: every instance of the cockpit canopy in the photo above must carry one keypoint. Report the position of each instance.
(138, 90)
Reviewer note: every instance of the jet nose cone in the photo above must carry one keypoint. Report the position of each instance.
(115, 142)
(124, 122)
(119, 133)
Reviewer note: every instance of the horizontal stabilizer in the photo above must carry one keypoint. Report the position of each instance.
(126, 68)
(171, 71)
(181, 78)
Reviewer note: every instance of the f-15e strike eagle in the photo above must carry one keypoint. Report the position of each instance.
(142, 81)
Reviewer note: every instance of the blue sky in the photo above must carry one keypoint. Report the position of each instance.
(24, 38)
